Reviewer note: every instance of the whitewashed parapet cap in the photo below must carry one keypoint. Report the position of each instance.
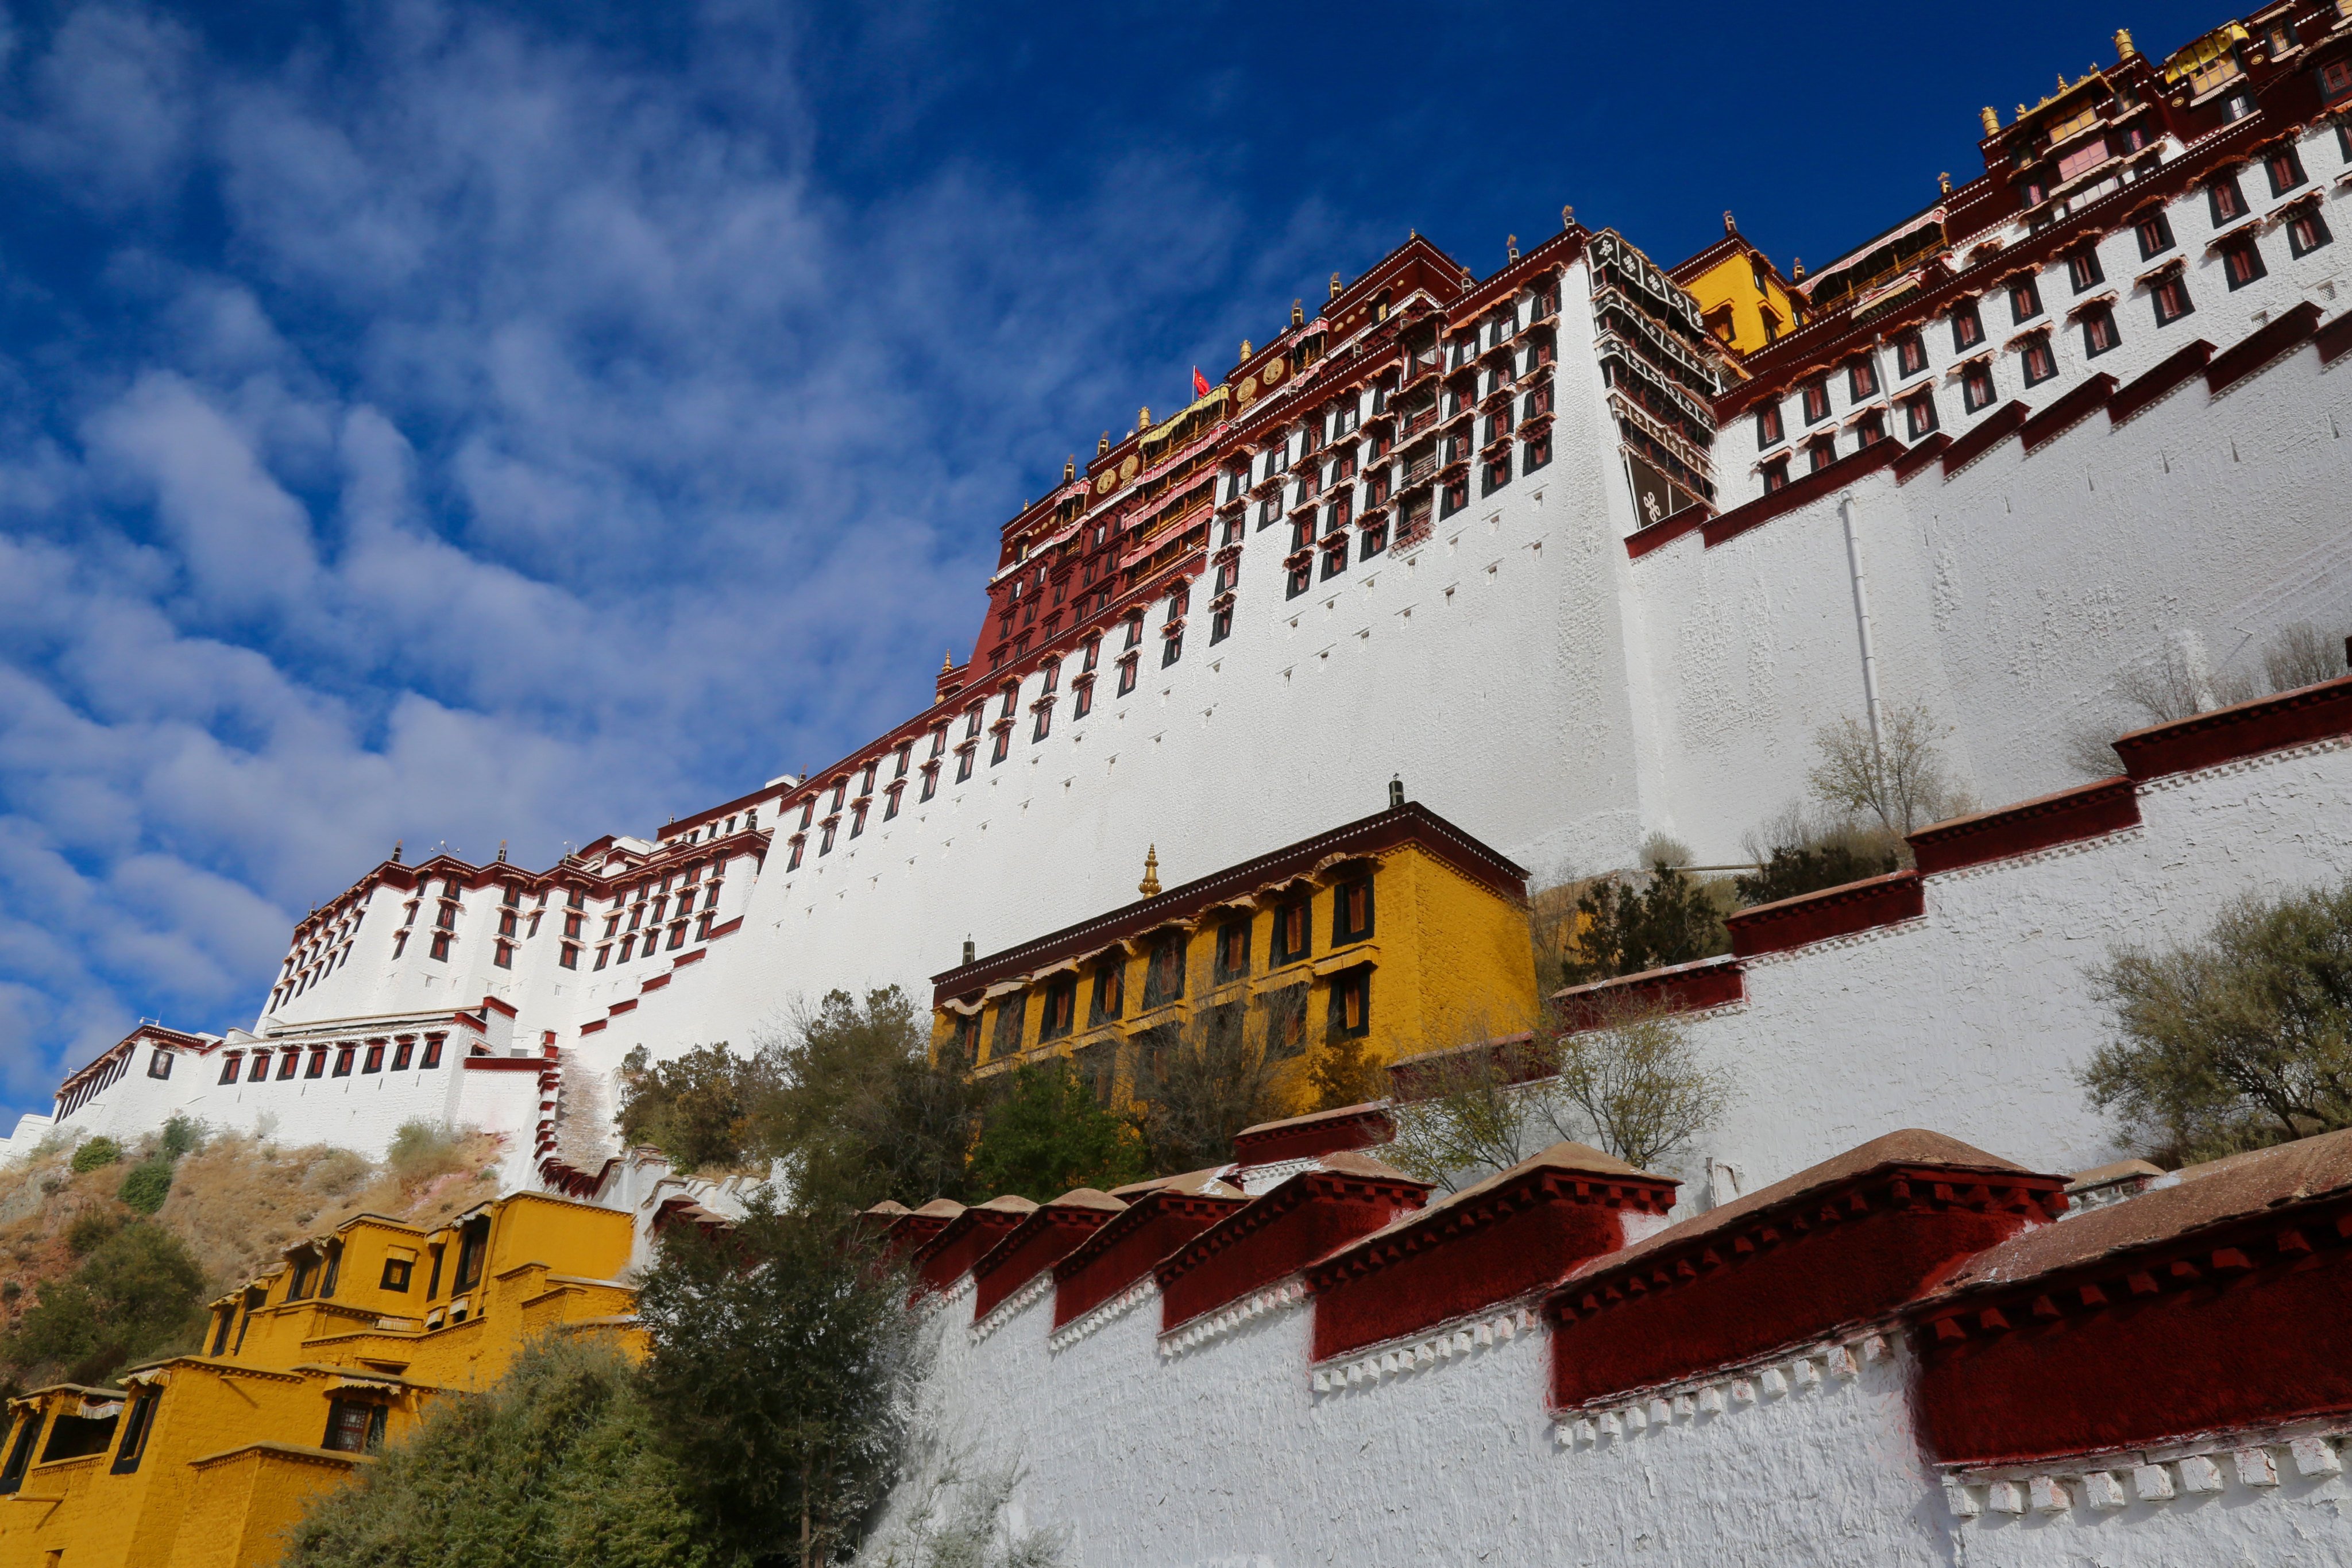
(1721, 1391)
(2253, 1460)
(1457, 1340)
(1012, 1306)
(1282, 1296)
(1094, 1318)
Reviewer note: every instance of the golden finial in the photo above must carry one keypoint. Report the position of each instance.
(1143, 418)
(1796, 269)
(1069, 467)
(946, 661)
(2124, 49)
(1149, 886)
(1944, 182)
(1247, 351)
(1511, 244)
(2021, 112)
(1102, 447)
(1335, 285)
(1991, 120)
(1568, 217)
(1729, 226)
(1298, 314)
(2062, 83)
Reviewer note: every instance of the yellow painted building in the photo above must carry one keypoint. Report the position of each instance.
(202, 1461)
(1399, 931)
(1742, 296)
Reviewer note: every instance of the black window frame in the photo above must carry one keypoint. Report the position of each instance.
(1110, 999)
(1225, 967)
(1910, 354)
(2317, 220)
(2174, 284)
(2284, 154)
(1967, 327)
(25, 1438)
(1814, 400)
(2083, 272)
(2243, 245)
(2094, 318)
(1972, 376)
(1280, 952)
(2155, 233)
(138, 1425)
(1769, 430)
(1342, 932)
(1355, 983)
(1861, 378)
(1061, 999)
(2214, 187)
(1925, 398)
(2037, 359)
(371, 1415)
(1163, 971)
(2025, 299)
(1010, 1028)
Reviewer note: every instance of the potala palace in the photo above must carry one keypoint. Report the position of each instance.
(1584, 550)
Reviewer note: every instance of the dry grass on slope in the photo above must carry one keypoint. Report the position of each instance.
(238, 1203)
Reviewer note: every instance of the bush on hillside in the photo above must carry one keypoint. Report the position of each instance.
(147, 1185)
(94, 1152)
(134, 1297)
(421, 1151)
(556, 1466)
(1623, 929)
(1047, 1133)
(2237, 1040)
(699, 1109)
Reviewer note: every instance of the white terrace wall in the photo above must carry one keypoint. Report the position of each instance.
(1977, 1016)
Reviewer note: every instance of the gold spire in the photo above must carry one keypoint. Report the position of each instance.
(1728, 225)
(946, 661)
(1568, 217)
(1247, 351)
(1297, 316)
(2124, 49)
(1991, 120)
(1069, 467)
(1102, 447)
(1149, 886)
(1335, 285)
(1944, 182)
(1143, 418)
(1511, 244)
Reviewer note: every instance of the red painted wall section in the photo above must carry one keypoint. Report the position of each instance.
(2066, 817)
(1683, 988)
(2219, 1303)
(913, 1231)
(1037, 1244)
(1282, 1232)
(1320, 1132)
(1846, 1242)
(1833, 912)
(965, 1241)
(1511, 1233)
(1123, 1251)
(2292, 718)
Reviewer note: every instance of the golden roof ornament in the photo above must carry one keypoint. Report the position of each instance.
(1335, 285)
(1511, 244)
(1298, 315)
(1069, 467)
(2124, 49)
(1568, 217)
(1944, 182)
(1247, 351)
(1143, 418)
(946, 661)
(1149, 886)
(1991, 120)
(1728, 225)
(1102, 447)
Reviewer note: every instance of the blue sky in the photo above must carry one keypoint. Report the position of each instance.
(466, 423)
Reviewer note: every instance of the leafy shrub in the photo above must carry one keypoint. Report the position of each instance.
(1626, 930)
(420, 1150)
(556, 1464)
(1342, 1075)
(90, 1228)
(2240, 1039)
(94, 1152)
(1047, 1133)
(698, 1109)
(181, 1134)
(135, 1296)
(781, 1380)
(147, 1185)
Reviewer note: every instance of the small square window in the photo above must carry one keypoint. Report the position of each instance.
(2040, 364)
(1820, 452)
(395, 1275)
(2099, 332)
(2171, 297)
(1920, 409)
(2307, 231)
(1775, 475)
(374, 1062)
(1976, 387)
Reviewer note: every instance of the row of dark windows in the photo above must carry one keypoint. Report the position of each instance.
(400, 1051)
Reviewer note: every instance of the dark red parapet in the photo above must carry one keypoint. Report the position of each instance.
(1691, 987)
(1158, 1221)
(907, 1232)
(1280, 1232)
(1845, 1243)
(1833, 912)
(1037, 1244)
(2215, 1304)
(964, 1240)
(1508, 1235)
(2086, 811)
(2228, 734)
(1318, 1132)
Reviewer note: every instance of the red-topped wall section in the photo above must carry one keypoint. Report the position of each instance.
(1277, 1234)
(1037, 1244)
(1123, 1251)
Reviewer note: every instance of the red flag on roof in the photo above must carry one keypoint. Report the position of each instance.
(1200, 382)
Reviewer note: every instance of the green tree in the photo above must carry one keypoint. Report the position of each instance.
(134, 1296)
(146, 1186)
(1202, 1085)
(1624, 929)
(699, 1109)
(94, 1152)
(558, 1465)
(1047, 1133)
(2237, 1040)
(780, 1379)
(1341, 1074)
(861, 1113)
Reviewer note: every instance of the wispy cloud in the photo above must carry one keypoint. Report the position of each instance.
(447, 427)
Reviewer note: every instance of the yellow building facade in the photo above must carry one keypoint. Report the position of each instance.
(1742, 296)
(203, 1460)
(1398, 932)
